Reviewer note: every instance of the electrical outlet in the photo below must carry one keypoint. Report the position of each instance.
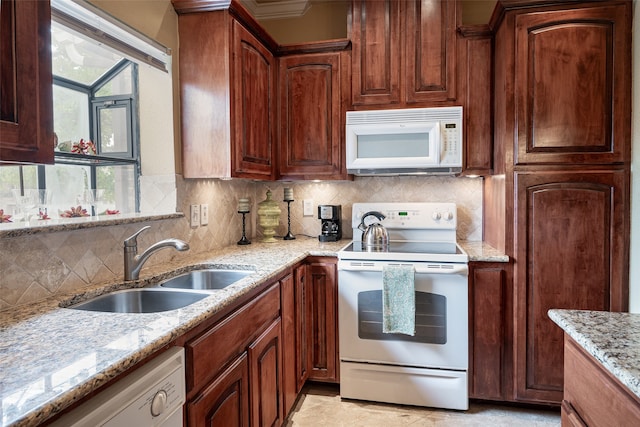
(307, 207)
(195, 215)
(204, 214)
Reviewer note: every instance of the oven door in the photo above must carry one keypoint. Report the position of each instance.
(441, 339)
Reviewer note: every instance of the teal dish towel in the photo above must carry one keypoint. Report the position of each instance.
(398, 300)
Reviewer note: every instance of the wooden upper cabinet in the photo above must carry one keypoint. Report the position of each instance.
(254, 106)
(227, 81)
(571, 253)
(403, 52)
(430, 50)
(312, 116)
(475, 89)
(26, 100)
(572, 86)
(375, 34)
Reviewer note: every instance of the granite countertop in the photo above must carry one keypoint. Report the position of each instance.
(52, 356)
(613, 339)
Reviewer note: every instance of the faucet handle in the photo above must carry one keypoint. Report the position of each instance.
(131, 241)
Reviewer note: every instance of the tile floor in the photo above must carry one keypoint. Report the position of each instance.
(320, 405)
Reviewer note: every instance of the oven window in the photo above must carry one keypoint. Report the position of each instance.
(393, 145)
(431, 323)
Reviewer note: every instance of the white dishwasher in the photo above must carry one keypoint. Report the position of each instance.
(151, 396)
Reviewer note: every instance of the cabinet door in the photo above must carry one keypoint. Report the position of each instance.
(311, 116)
(253, 108)
(26, 100)
(430, 50)
(376, 52)
(573, 101)
(321, 277)
(225, 403)
(295, 336)
(475, 73)
(488, 329)
(571, 248)
(265, 370)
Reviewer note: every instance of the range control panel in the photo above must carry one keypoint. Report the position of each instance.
(434, 216)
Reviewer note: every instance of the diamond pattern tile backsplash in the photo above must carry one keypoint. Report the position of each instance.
(37, 266)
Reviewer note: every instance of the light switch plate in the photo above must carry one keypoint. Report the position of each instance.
(307, 207)
(195, 215)
(204, 214)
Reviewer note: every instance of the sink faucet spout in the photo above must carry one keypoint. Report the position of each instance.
(133, 262)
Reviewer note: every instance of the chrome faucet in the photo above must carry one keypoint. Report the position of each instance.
(134, 262)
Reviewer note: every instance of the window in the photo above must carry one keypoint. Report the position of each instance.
(98, 114)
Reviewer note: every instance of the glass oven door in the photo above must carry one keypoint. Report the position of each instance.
(441, 339)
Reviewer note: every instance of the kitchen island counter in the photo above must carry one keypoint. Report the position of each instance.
(613, 339)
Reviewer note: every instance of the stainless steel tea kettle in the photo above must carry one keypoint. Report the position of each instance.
(375, 235)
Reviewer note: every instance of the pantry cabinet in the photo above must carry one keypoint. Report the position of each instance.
(26, 94)
(322, 280)
(313, 88)
(559, 202)
(571, 245)
(404, 53)
(228, 98)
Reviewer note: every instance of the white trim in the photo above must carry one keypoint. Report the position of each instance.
(277, 9)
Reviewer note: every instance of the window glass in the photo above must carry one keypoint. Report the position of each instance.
(113, 129)
(118, 85)
(70, 117)
(78, 58)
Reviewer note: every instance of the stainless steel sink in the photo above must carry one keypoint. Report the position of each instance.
(206, 280)
(140, 300)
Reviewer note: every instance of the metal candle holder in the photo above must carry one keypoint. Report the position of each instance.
(243, 240)
(289, 236)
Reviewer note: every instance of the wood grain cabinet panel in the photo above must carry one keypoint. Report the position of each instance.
(265, 370)
(572, 85)
(489, 363)
(26, 94)
(592, 396)
(224, 403)
(311, 118)
(375, 35)
(475, 88)
(570, 251)
(321, 277)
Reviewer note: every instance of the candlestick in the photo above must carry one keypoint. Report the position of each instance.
(288, 194)
(243, 240)
(243, 205)
(289, 236)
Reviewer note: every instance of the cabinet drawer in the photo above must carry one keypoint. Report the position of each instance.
(211, 351)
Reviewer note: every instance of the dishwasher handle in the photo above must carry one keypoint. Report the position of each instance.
(420, 268)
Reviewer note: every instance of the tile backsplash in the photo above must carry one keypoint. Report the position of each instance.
(43, 264)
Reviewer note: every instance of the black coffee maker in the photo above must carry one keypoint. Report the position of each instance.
(331, 224)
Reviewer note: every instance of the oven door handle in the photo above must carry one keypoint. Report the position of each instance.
(426, 268)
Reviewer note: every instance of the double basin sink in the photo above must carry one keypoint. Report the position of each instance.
(171, 294)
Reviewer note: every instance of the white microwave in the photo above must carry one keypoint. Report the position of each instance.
(412, 141)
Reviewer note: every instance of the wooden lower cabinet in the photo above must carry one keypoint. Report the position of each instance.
(321, 278)
(265, 377)
(592, 396)
(226, 401)
(490, 361)
(295, 335)
(234, 367)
